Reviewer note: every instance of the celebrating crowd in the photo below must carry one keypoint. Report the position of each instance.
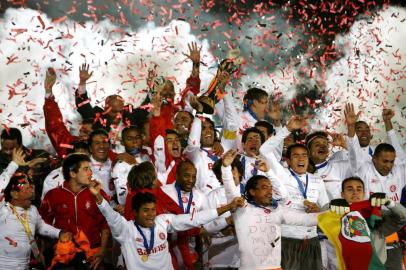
(160, 186)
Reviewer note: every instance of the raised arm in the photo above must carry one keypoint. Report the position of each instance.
(354, 148)
(229, 138)
(193, 143)
(292, 217)
(278, 188)
(56, 130)
(387, 115)
(232, 191)
(82, 100)
(17, 160)
(119, 226)
(274, 145)
(188, 221)
(193, 82)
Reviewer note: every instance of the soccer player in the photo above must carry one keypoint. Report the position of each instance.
(144, 241)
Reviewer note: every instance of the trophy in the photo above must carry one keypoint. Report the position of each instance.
(229, 65)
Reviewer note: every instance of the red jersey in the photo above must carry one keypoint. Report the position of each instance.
(72, 212)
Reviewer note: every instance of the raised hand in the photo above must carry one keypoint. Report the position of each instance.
(95, 188)
(228, 157)
(379, 199)
(350, 116)
(194, 53)
(338, 140)
(194, 102)
(151, 78)
(218, 148)
(50, 79)
(34, 162)
(339, 206)
(84, 74)
(296, 122)
(261, 164)
(387, 114)
(223, 79)
(275, 112)
(18, 156)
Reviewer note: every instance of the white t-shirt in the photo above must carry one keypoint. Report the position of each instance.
(6, 175)
(258, 229)
(390, 184)
(15, 248)
(223, 251)
(120, 174)
(199, 201)
(102, 173)
(332, 173)
(131, 241)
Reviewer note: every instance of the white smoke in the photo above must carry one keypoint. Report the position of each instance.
(119, 57)
(372, 74)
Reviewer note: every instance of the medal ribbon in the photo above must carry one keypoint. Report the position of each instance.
(322, 165)
(254, 171)
(211, 155)
(266, 210)
(300, 184)
(24, 221)
(144, 238)
(189, 203)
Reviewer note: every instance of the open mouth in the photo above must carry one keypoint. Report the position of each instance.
(301, 165)
(149, 221)
(175, 150)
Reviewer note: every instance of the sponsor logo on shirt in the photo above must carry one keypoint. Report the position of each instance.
(162, 236)
(143, 251)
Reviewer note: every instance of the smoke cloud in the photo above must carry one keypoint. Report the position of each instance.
(120, 58)
(371, 73)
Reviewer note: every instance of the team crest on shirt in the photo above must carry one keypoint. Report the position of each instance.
(88, 205)
(392, 188)
(162, 236)
(374, 181)
(185, 200)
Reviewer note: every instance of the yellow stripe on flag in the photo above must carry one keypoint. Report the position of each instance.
(330, 224)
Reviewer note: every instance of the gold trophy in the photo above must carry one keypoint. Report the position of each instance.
(229, 65)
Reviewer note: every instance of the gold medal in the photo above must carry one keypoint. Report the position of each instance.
(144, 258)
